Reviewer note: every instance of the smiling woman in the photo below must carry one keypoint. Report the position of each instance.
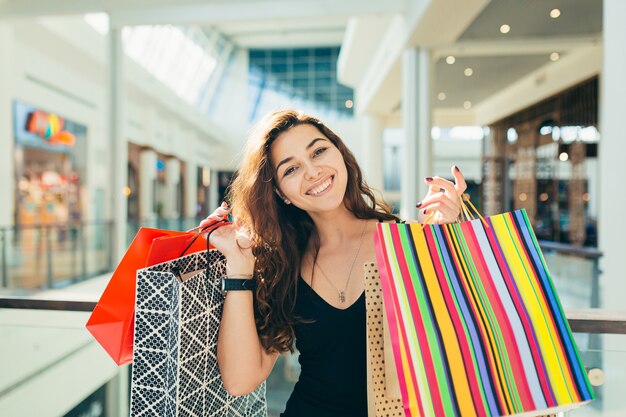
(303, 211)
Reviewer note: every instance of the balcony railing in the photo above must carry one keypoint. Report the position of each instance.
(606, 366)
(53, 255)
(35, 257)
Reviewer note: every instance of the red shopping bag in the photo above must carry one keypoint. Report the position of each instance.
(112, 321)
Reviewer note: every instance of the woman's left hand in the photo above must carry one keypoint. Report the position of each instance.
(443, 198)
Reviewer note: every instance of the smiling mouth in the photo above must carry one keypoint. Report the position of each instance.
(322, 187)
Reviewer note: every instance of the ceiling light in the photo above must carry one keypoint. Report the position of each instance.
(554, 13)
(554, 56)
(450, 60)
(467, 105)
(505, 29)
(349, 104)
(441, 96)
(468, 72)
(563, 156)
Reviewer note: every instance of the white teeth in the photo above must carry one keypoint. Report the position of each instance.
(321, 188)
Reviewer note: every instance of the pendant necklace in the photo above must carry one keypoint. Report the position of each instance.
(342, 293)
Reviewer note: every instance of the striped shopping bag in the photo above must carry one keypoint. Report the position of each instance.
(475, 323)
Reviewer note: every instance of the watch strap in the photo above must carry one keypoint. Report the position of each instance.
(237, 284)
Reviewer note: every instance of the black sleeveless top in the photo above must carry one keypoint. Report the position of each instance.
(333, 376)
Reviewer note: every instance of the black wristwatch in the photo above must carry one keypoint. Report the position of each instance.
(237, 284)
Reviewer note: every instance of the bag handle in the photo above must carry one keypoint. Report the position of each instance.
(465, 214)
(211, 228)
(202, 229)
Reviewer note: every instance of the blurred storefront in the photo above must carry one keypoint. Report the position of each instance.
(544, 159)
(49, 167)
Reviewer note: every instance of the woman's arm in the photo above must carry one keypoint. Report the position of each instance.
(244, 364)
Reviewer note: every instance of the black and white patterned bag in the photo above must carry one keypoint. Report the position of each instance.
(175, 370)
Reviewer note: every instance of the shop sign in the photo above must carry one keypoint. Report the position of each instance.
(50, 127)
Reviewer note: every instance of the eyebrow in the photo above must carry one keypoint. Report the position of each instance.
(309, 146)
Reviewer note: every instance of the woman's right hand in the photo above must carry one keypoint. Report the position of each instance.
(234, 243)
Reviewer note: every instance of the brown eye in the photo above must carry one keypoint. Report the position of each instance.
(319, 151)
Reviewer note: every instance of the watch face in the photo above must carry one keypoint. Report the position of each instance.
(223, 285)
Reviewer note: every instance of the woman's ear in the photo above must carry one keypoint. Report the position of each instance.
(282, 197)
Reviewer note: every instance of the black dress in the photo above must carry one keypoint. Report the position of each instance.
(332, 350)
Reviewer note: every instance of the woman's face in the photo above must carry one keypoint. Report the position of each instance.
(309, 169)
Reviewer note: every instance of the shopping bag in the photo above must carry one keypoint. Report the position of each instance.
(383, 392)
(475, 323)
(111, 322)
(175, 371)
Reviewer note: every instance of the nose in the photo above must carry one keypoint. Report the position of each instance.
(312, 171)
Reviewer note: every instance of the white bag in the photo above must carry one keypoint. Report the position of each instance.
(175, 370)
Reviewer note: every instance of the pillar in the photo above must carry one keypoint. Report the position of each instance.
(148, 184)
(7, 136)
(372, 165)
(117, 141)
(416, 119)
(495, 175)
(172, 199)
(611, 160)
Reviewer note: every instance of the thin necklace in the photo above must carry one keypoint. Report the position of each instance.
(342, 293)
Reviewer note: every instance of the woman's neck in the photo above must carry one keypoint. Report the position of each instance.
(337, 228)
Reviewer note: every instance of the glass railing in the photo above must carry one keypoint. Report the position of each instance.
(575, 273)
(606, 369)
(50, 350)
(36, 257)
(53, 255)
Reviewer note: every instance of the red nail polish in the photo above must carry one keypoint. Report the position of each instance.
(456, 168)
(418, 205)
(429, 179)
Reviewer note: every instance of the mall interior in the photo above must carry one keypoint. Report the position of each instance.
(116, 115)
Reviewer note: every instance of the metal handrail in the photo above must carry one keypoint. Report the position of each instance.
(57, 225)
(591, 320)
(565, 249)
(28, 303)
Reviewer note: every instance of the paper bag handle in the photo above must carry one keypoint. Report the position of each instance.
(465, 214)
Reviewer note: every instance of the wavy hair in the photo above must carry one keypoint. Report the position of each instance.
(280, 232)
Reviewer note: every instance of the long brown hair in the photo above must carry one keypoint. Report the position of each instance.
(281, 232)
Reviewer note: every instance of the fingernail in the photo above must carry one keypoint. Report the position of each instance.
(418, 205)
(456, 168)
(425, 211)
(428, 179)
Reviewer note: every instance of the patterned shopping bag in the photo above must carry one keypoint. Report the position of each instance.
(475, 323)
(175, 370)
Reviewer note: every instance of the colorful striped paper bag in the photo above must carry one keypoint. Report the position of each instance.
(476, 326)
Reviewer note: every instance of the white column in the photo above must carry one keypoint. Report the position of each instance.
(7, 136)
(611, 227)
(117, 393)
(213, 191)
(416, 119)
(191, 188)
(172, 179)
(117, 140)
(612, 157)
(372, 165)
(147, 178)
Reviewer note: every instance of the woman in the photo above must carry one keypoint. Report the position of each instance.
(304, 223)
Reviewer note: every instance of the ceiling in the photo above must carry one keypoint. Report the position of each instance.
(497, 59)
